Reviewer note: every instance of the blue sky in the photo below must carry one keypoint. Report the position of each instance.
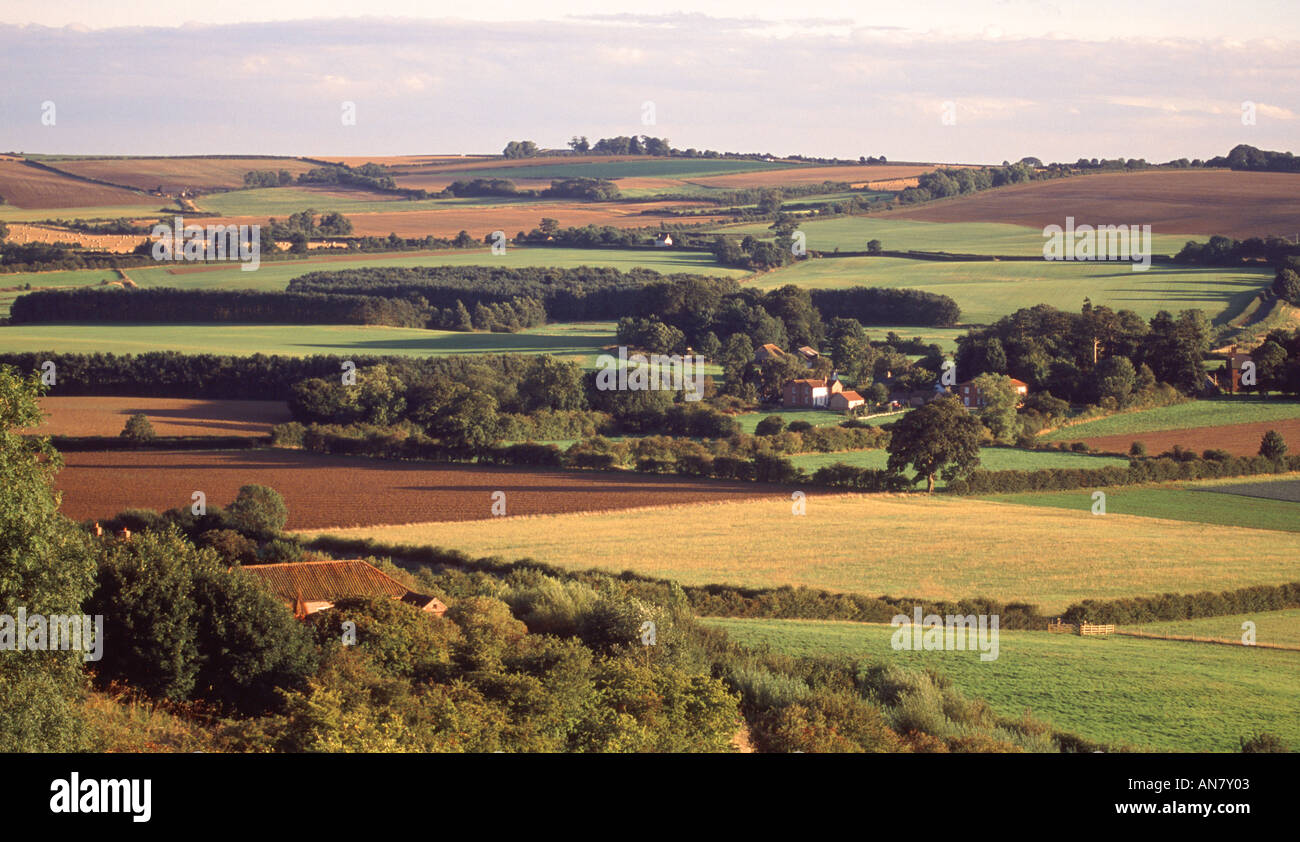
(1056, 80)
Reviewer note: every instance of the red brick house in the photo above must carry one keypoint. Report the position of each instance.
(970, 396)
(809, 394)
(310, 586)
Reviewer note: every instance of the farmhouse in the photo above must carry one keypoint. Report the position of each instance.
(310, 586)
(916, 397)
(970, 393)
(811, 393)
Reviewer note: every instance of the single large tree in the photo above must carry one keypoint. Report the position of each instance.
(941, 438)
(46, 568)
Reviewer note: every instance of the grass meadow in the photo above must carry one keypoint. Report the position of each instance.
(852, 233)
(577, 342)
(1243, 409)
(274, 275)
(988, 290)
(1278, 628)
(1156, 694)
(898, 544)
(1190, 502)
(991, 459)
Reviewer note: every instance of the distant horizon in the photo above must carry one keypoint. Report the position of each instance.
(826, 88)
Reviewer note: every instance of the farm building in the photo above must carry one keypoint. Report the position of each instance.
(917, 397)
(810, 393)
(809, 355)
(310, 586)
(663, 240)
(845, 400)
(768, 352)
(970, 393)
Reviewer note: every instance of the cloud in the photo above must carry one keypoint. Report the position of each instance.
(826, 88)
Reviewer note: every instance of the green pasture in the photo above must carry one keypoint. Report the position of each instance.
(1157, 694)
(1279, 628)
(852, 233)
(576, 342)
(991, 459)
(988, 290)
(1192, 502)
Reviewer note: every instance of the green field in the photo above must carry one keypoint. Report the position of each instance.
(988, 290)
(914, 545)
(39, 280)
(1182, 416)
(817, 417)
(577, 342)
(1166, 695)
(276, 274)
(9, 213)
(991, 459)
(852, 233)
(683, 168)
(1279, 628)
(282, 201)
(1189, 502)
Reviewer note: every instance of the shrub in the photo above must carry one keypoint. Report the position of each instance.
(770, 425)
(1137, 448)
(1264, 743)
(1272, 446)
(799, 426)
(138, 428)
(258, 510)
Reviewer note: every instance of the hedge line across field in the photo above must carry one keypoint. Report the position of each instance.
(803, 603)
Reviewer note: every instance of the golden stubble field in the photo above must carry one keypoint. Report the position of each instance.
(899, 545)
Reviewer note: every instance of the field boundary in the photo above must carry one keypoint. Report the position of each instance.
(1191, 638)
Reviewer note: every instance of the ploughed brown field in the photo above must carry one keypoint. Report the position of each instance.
(30, 187)
(176, 174)
(480, 221)
(1234, 204)
(337, 491)
(106, 416)
(1237, 439)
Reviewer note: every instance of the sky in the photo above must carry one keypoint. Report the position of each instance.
(974, 82)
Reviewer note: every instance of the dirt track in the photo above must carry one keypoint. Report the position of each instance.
(324, 491)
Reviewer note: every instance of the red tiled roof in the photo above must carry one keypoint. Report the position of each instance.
(852, 396)
(326, 581)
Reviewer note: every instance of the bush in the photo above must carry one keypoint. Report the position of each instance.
(799, 426)
(258, 510)
(287, 435)
(1264, 743)
(138, 428)
(770, 425)
(1137, 448)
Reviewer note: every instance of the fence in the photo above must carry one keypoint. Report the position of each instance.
(1083, 629)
